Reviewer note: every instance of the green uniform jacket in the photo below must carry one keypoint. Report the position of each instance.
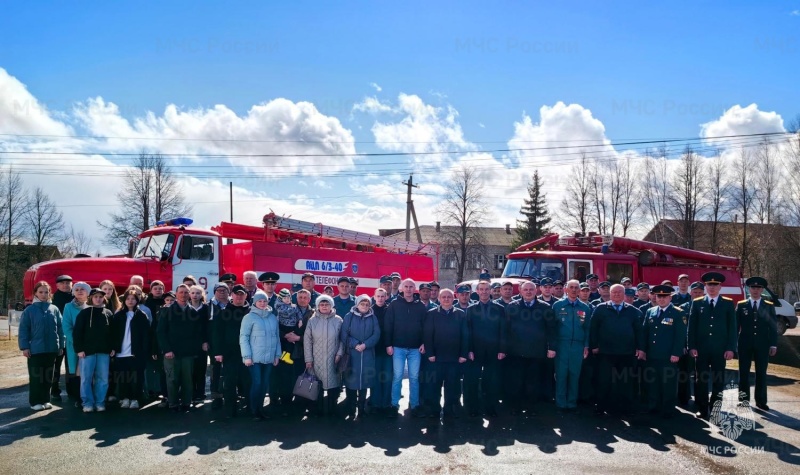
(712, 331)
(572, 322)
(665, 336)
(757, 329)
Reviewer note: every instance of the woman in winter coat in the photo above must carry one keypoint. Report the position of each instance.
(80, 292)
(323, 348)
(41, 339)
(260, 343)
(94, 344)
(131, 333)
(360, 334)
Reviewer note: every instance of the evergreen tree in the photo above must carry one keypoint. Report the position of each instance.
(535, 223)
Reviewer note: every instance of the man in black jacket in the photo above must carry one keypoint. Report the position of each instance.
(219, 301)
(616, 337)
(181, 337)
(381, 392)
(404, 343)
(487, 327)
(447, 348)
(226, 350)
(712, 340)
(530, 326)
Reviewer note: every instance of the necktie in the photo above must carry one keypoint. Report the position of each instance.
(618, 307)
(711, 302)
(660, 313)
(755, 306)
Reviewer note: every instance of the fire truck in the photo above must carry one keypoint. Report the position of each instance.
(172, 249)
(612, 258)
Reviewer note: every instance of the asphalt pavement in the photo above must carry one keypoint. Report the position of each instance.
(151, 440)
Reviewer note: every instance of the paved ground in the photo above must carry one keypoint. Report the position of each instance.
(153, 441)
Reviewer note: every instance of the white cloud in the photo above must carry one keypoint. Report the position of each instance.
(376, 86)
(372, 105)
(740, 120)
(22, 113)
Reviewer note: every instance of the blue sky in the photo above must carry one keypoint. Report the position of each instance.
(644, 70)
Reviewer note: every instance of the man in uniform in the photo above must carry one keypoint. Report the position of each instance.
(682, 295)
(558, 290)
(268, 280)
(758, 340)
(506, 293)
(495, 293)
(353, 287)
(462, 294)
(344, 301)
(386, 285)
(530, 326)
(712, 340)
(593, 282)
(425, 295)
(630, 295)
(652, 303)
(665, 343)
(642, 294)
(572, 318)
(587, 388)
(626, 282)
(546, 286)
(604, 288)
(616, 337)
(487, 325)
(395, 293)
(435, 287)
(307, 281)
(227, 279)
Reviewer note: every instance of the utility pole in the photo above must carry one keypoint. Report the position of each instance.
(410, 212)
(230, 187)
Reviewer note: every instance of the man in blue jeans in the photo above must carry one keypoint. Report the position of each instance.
(405, 319)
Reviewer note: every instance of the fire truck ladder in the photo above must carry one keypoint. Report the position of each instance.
(273, 221)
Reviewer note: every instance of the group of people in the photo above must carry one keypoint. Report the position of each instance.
(573, 341)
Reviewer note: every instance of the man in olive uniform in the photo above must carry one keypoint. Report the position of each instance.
(712, 340)
(572, 318)
(758, 340)
(665, 342)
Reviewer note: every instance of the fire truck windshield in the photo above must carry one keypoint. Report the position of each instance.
(534, 268)
(157, 245)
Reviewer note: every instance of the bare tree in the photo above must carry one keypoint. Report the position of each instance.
(742, 197)
(768, 177)
(44, 224)
(463, 211)
(687, 193)
(716, 197)
(76, 242)
(150, 193)
(13, 201)
(656, 190)
(629, 203)
(574, 213)
(600, 198)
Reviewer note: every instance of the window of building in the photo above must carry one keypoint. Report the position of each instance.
(448, 261)
(499, 261)
(475, 261)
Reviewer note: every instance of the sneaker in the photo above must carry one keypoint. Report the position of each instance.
(100, 408)
(88, 409)
(112, 398)
(47, 405)
(38, 407)
(125, 404)
(134, 404)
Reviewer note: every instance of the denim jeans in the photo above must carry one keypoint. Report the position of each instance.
(94, 379)
(259, 385)
(399, 358)
(381, 391)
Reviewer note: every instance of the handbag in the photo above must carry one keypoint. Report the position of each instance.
(307, 386)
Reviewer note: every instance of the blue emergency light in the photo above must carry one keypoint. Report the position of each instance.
(175, 222)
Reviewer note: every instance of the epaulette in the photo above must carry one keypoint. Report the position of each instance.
(677, 308)
(699, 298)
(742, 301)
(768, 302)
(726, 298)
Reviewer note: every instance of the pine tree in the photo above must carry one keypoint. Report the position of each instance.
(535, 212)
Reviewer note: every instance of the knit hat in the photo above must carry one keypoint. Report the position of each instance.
(284, 293)
(260, 295)
(81, 285)
(361, 298)
(324, 298)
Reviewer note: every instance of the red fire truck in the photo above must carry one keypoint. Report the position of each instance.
(612, 258)
(172, 250)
